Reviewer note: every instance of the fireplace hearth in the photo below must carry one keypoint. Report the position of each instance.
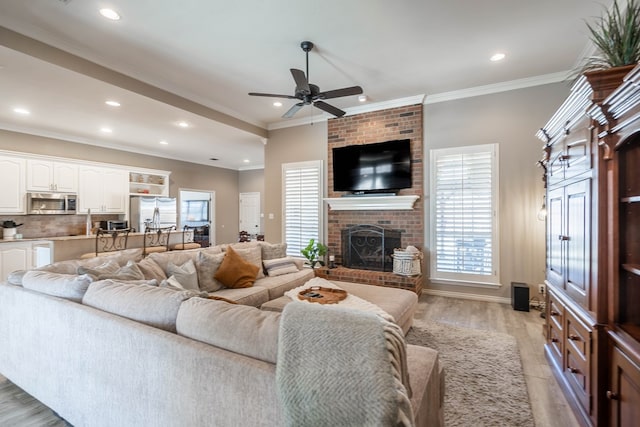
(369, 247)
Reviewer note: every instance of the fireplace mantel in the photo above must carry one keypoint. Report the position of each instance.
(372, 203)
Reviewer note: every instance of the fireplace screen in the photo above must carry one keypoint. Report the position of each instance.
(369, 247)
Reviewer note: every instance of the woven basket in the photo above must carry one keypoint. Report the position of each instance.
(406, 263)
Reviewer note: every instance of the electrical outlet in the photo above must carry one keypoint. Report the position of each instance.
(541, 289)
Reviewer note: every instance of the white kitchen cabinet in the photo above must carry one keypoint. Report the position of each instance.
(23, 255)
(44, 175)
(103, 190)
(12, 190)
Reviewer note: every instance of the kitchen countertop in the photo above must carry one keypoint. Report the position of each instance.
(66, 238)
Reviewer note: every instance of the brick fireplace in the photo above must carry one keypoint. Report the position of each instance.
(367, 128)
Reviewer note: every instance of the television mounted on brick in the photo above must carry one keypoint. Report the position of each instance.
(382, 167)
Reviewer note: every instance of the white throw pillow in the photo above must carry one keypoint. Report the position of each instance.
(279, 266)
(186, 274)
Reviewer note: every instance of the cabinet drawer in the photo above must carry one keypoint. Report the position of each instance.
(555, 342)
(577, 351)
(556, 314)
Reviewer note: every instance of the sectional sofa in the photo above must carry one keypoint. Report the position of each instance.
(105, 347)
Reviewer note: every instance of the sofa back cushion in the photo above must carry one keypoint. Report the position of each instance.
(151, 305)
(69, 286)
(238, 328)
(71, 266)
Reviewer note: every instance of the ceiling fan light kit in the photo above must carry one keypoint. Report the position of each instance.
(309, 94)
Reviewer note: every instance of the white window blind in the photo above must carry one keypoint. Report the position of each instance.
(464, 200)
(302, 210)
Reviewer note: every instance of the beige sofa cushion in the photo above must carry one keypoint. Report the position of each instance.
(278, 285)
(111, 270)
(185, 274)
(151, 270)
(241, 329)
(69, 286)
(150, 305)
(279, 266)
(71, 266)
(273, 250)
(254, 296)
(207, 265)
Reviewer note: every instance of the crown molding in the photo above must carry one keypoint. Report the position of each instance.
(498, 87)
(359, 109)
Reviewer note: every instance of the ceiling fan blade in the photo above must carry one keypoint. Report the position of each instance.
(347, 91)
(329, 108)
(293, 110)
(301, 81)
(272, 95)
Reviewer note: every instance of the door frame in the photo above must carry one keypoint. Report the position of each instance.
(212, 210)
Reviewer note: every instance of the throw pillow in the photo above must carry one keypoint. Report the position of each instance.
(253, 255)
(108, 268)
(111, 270)
(186, 274)
(279, 266)
(273, 250)
(235, 272)
(207, 265)
(151, 270)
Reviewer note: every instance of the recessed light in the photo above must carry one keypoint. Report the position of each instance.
(112, 103)
(22, 111)
(497, 57)
(362, 98)
(163, 143)
(110, 14)
(277, 104)
(246, 160)
(183, 124)
(106, 130)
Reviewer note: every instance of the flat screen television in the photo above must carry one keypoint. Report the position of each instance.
(372, 168)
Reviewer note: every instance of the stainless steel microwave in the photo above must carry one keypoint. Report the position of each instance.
(51, 203)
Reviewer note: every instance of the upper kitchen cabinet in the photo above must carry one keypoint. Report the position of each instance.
(12, 190)
(103, 190)
(153, 183)
(45, 176)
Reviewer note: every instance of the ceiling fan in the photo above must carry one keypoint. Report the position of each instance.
(309, 94)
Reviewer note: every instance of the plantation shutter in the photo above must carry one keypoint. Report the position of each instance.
(302, 204)
(464, 220)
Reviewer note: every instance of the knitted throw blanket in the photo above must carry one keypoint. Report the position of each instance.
(341, 367)
(351, 301)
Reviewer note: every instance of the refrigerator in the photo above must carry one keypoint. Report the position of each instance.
(155, 211)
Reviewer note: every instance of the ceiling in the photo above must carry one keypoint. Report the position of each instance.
(196, 61)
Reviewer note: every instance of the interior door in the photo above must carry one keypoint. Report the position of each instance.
(250, 212)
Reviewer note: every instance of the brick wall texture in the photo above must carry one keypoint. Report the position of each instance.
(368, 128)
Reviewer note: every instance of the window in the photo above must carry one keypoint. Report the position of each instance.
(464, 218)
(302, 204)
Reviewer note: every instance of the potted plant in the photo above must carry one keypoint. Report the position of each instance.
(313, 251)
(9, 229)
(616, 35)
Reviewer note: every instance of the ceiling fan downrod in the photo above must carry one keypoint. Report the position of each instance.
(306, 47)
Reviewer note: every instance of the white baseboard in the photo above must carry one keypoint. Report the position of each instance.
(464, 295)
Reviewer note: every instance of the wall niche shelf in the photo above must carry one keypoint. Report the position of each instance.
(372, 203)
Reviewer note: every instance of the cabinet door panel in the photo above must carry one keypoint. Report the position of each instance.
(90, 194)
(555, 231)
(39, 175)
(14, 258)
(65, 177)
(578, 229)
(12, 190)
(578, 152)
(115, 190)
(625, 382)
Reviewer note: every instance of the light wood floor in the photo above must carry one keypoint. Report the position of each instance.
(550, 408)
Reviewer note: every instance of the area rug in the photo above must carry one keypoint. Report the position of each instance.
(485, 384)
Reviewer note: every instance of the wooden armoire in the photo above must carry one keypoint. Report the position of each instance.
(591, 156)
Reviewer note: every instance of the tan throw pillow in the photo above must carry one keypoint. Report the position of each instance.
(279, 266)
(186, 274)
(151, 270)
(235, 272)
(253, 255)
(273, 250)
(207, 265)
